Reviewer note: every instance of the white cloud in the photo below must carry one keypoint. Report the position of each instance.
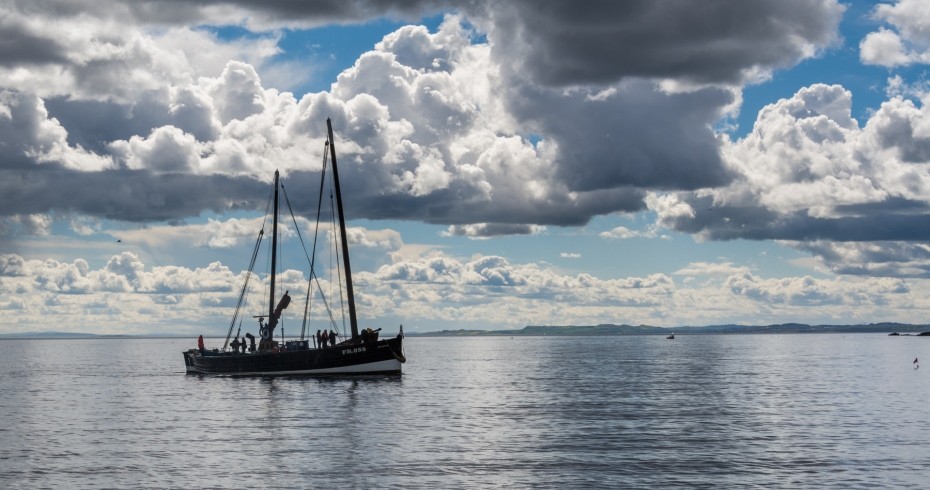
(883, 48)
(908, 41)
(808, 172)
(481, 291)
(878, 258)
(505, 129)
(27, 133)
(85, 225)
(491, 290)
(479, 231)
(712, 269)
(34, 224)
(167, 149)
(121, 287)
(432, 126)
(386, 239)
(807, 291)
(669, 208)
(229, 233)
(897, 87)
(237, 93)
(623, 233)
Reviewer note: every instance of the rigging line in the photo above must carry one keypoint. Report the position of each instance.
(296, 227)
(316, 234)
(251, 266)
(267, 283)
(338, 266)
(329, 310)
(268, 207)
(245, 285)
(280, 274)
(303, 326)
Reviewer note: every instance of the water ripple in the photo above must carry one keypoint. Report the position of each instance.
(783, 411)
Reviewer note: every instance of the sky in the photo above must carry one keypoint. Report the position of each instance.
(503, 163)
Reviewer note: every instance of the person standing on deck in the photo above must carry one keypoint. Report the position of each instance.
(200, 344)
(332, 338)
(319, 340)
(325, 338)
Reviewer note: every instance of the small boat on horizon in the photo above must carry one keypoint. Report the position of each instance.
(671, 337)
(362, 353)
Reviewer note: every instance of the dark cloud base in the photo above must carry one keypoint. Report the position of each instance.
(599, 42)
(127, 195)
(447, 206)
(759, 223)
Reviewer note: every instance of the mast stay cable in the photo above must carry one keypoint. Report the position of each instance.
(248, 274)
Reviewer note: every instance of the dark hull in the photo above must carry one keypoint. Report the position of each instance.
(381, 357)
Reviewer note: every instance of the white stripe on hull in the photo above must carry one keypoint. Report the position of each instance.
(371, 367)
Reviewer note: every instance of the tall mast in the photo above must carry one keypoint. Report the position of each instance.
(274, 257)
(353, 320)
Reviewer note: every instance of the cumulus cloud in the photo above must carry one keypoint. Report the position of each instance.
(167, 149)
(409, 168)
(438, 127)
(621, 141)
(602, 42)
(124, 287)
(135, 196)
(231, 232)
(808, 172)
(906, 42)
(807, 291)
(505, 120)
(896, 86)
(884, 48)
(39, 49)
(85, 225)
(481, 291)
(623, 233)
(444, 285)
(468, 286)
(29, 136)
(488, 230)
(875, 258)
(491, 290)
(34, 224)
(712, 269)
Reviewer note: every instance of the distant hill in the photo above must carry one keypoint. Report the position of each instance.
(575, 330)
(611, 329)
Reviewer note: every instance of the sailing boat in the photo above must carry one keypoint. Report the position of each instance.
(362, 353)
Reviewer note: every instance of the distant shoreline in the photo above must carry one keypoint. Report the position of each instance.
(568, 331)
(611, 329)
(80, 335)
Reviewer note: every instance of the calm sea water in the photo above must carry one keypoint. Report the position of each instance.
(788, 411)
